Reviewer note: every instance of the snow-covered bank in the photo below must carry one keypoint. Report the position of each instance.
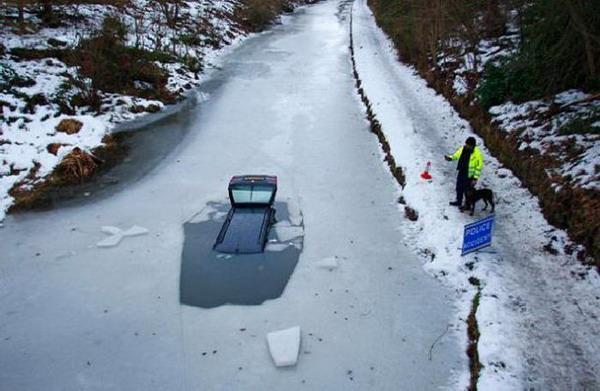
(538, 311)
(563, 126)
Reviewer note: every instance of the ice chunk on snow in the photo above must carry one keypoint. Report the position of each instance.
(295, 214)
(108, 229)
(284, 346)
(111, 241)
(328, 263)
(117, 234)
(136, 230)
(285, 234)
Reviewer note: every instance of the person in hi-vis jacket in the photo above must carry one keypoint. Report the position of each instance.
(470, 164)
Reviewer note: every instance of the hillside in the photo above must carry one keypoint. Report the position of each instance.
(526, 76)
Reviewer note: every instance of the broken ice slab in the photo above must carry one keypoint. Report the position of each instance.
(136, 230)
(295, 214)
(117, 234)
(329, 263)
(287, 233)
(284, 346)
(109, 229)
(111, 241)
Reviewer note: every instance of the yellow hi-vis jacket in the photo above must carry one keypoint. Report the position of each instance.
(475, 161)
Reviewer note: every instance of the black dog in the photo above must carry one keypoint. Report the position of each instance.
(472, 196)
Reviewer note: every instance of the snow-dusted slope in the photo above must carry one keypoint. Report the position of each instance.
(27, 134)
(539, 312)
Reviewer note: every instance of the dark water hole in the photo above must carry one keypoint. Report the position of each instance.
(210, 279)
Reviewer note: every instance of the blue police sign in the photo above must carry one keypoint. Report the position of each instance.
(478, 235)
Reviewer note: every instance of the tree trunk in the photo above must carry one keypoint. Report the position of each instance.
(20, 7)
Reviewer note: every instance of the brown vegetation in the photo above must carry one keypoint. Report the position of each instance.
(69, 126)
(54, 147)
(255, 15)
(114, 67)
(78, 167)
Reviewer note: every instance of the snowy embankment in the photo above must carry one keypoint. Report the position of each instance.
(33, 92)
(564, 126)
(538, 310)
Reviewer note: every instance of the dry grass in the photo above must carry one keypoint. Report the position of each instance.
(255, 15)
(54, 147)
(69, 126)
(77, 166)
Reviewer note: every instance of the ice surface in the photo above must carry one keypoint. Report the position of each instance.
(301, 121)
(329, 263)
(284, 346)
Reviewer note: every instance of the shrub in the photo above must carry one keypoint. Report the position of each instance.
(582, 124)
(189, 39)
(256, 14)
(77, 166)
(193, 64)
(33, 101)
(69, 126)
(515, 79)
(114, 67)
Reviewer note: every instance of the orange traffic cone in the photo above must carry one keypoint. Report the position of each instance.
(425, 174)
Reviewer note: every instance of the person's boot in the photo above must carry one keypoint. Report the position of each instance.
(455, 203)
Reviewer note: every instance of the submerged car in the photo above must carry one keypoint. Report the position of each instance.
(246, 228)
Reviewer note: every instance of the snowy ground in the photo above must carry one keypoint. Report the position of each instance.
(538, 315)
(25, 135)
(76, 316)
(548, 137)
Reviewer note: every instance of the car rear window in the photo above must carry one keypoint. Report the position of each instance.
(252, 194)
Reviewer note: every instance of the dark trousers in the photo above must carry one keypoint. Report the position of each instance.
(462, 184)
